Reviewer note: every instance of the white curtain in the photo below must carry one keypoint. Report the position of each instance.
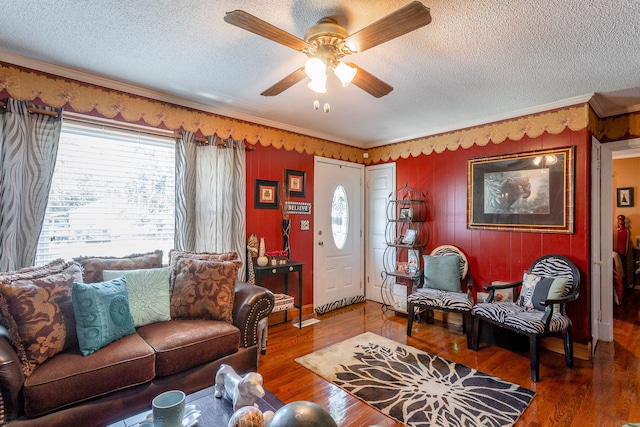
(211, 196)
(28, 150)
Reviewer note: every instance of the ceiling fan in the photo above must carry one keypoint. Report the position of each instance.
(326, 43)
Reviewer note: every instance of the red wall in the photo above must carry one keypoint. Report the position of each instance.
(493, 255)
(502, 255)
(269, 163)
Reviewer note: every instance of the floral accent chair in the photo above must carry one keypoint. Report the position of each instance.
(551, 282)
(445, 269)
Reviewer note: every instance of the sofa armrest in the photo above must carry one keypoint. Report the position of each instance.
(11, 380)
(251, 304)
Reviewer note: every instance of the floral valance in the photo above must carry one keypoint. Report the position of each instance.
(28, 85)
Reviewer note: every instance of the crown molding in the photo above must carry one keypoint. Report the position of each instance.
(97, 80)
(576, 100)
(603, 112)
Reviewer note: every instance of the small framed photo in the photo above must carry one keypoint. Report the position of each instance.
(409, 237)
(266, 194)
(295, 182)
(625, 197)
(405, 214)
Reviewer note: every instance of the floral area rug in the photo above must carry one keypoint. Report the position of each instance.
(417, 388)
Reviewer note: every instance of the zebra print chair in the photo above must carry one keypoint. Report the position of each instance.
(429, 299)
(540, 309)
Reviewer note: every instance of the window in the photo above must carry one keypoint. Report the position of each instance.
(112, 194)
(340, 217)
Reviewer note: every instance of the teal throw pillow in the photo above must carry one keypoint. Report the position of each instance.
(102, 313)
(442, 272)
(148, 291)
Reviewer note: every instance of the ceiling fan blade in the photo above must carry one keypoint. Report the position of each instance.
(285, 83)
(248, 22)
(370, 83)
(402, 21)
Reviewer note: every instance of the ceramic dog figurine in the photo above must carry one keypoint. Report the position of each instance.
(240, 390)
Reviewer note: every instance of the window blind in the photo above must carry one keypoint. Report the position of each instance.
(112, 194)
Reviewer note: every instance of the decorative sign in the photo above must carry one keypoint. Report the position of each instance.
(303, 208)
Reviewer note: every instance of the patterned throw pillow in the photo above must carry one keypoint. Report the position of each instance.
(36, 309)
(55, 266)
(442, 272)
(148, 292)
(102, 313)
(529, 283)
(94, 266)
(204, 289)
(175, 255)
(537, 288)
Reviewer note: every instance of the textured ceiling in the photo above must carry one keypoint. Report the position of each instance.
(478, 61)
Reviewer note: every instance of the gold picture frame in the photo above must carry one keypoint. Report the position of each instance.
(529, 192)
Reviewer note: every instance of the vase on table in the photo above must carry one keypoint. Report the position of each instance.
(286, 230)
(262, 260)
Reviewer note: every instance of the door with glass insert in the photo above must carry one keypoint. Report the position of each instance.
(338, 234)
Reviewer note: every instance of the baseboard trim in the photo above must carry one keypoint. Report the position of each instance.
(555, 344)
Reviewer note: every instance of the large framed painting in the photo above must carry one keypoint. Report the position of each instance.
(266, 194)
(530, 192)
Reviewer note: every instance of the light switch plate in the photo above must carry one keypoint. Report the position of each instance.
(304, 224)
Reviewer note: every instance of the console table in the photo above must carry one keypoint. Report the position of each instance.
(284, 270)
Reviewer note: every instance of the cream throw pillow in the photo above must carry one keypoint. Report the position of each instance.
(148, 292)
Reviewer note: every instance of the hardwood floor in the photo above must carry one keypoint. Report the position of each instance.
(604, 391)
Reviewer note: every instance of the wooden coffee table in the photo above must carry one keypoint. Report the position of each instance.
(215, 412)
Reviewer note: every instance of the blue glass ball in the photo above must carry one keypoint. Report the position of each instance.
(301, 413)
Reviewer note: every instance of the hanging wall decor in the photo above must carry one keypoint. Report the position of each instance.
(531, 192)
(625, 197)
(266, 194)
(295, 182)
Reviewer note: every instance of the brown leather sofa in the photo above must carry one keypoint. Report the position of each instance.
(122, 378)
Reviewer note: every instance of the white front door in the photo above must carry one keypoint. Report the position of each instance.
(338, 236)
(380, 183)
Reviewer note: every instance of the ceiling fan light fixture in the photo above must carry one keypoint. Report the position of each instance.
(345, 73)
(319, 84)
(315, 68)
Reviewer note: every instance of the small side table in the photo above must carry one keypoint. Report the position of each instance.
(284, 270)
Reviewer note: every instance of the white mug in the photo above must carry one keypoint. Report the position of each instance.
(168, 409)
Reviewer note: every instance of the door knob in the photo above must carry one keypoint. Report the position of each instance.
(320, 243)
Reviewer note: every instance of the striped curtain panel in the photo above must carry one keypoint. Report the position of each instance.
(211, 196)
(28, 150)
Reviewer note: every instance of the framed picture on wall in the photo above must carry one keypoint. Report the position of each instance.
(625, 197)
(266, 194)
(529, 192)
(295, 182)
